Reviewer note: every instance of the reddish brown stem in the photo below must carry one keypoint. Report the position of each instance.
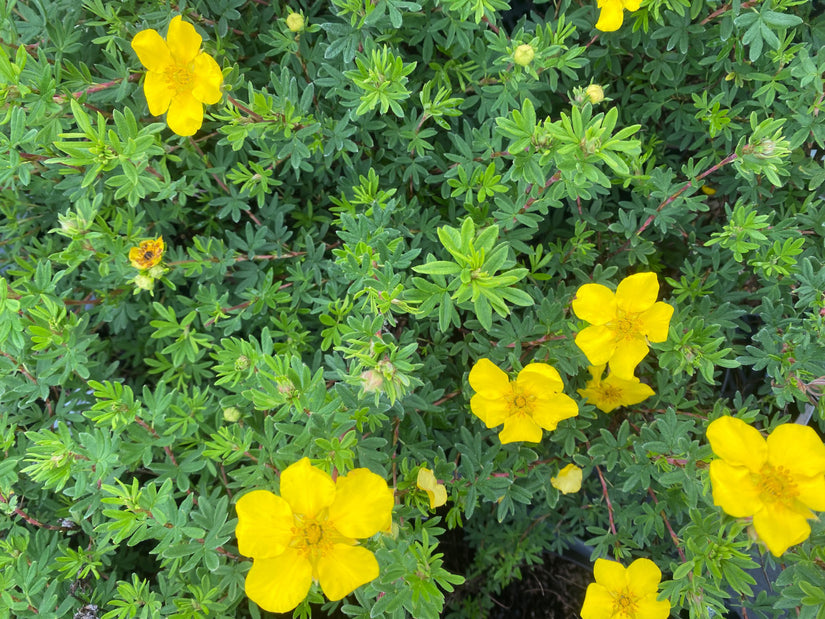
(607, 501)
(154, 434)
(673, 535)
(31, 520)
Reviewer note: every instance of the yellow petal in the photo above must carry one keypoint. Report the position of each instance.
(598, 343)
(596, 372)
(637, 293)
(568, 480)
(596, 396)
(185, 115)
(538, 378)
(649, 608)
(595, 304)
(811, 492)
(306, 488)
(598, 602)
(610, 19)
(628, 354)
(492, 412)
(151, 50)
(632, 5)
(643, 576)
(780, 528)
(183, 41)
(734, 490)
(633, 391)
(157, 91)
(488, 379)
(655, 322)
(549, 411)
(520, 428)
(362, 504)
(281, 583)
(737, 443)
(264, 526)
(798, 449)
(344, 569)
(427, 482)
(208, 79)
(610, 574)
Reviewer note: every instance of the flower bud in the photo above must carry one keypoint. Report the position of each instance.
(595, 93)
(371, 381)
(231, 414)
(295, 22)
(524, 55)
(144, 282)
(157, 271)
(241, 363)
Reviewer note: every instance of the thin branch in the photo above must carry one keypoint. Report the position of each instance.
(607, 501)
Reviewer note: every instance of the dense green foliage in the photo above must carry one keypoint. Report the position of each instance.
(380, 200)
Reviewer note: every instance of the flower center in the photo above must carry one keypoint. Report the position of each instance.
(624, 604)
(179, 79)
(312, 538)
(611, 393)
(520, 402)
(776, 484)
(626, 326)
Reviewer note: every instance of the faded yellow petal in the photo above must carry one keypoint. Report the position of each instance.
(183, 41)
(655, 322)
(520, 428)
(780, 528)
(427, 482)
(610, 574)
(595, 304)
(362, 504)
(568, 480)
(649, 608)
(637, 293)
(152, 50)
(610, 19)
(207, 79)
(281, 583)
(345, 568)
(628, 355)
(598, 602)
(798, 449)
(157, 91)
(264, 526)
(734, 490)
(598, 343)
(185, 115)
(539, 378)
(306, 488)
(737, 443)
(487, 379)
(549, 411)
(492, 412)
(643, 576)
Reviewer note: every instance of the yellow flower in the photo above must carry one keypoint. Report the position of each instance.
(613, 392)
(622, 323)
(309, 533)
(524, 54)
(295, 22)
(568, 480)
(181, 77)
(526, 405)
(612, 14)
(428, 483)
(778, 481)
(147, 254)
(625, 593)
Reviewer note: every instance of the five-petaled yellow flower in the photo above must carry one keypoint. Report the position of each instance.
(568, 480)
(147, 254)
(309, 533)
(612, 14)
(622, 323)
(612, 392)
(181, 77)
(427, 482)
(778, 481)
(526, 405)
(625, 593)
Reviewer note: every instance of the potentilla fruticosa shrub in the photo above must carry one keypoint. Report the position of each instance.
(291, 293)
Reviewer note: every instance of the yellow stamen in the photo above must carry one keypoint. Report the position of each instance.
(776, 483)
